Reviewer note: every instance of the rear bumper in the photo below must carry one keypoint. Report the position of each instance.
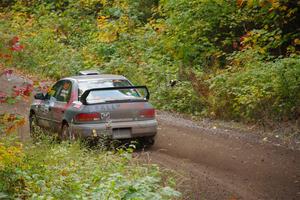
(137, 129)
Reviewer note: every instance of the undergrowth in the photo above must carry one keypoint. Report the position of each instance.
(47, 169)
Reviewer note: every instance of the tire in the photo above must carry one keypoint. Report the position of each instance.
(148, 141)
(66, 133)
(33, 125)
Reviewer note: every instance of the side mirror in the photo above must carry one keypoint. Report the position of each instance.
(39, 96)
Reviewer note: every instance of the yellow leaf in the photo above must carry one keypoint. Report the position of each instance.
(297, 41)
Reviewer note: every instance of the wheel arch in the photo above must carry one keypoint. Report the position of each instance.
(31, 112)
(64, 122)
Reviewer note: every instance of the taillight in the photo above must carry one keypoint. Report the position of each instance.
(148, 113)
(85, 117)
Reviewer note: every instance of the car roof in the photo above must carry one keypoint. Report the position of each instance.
(96, 77)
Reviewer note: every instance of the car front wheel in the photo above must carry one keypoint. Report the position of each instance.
(32, 124)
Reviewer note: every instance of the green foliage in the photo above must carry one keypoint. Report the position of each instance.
(182, 98)
(262, 90)
(200, 30)
(274, 26)
(69, 171)
(196, 42)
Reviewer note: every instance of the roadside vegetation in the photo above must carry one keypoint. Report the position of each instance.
(51, 170)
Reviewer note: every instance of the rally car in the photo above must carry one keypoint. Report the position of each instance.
(86, 106)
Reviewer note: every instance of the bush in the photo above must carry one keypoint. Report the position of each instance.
(259, 91)
(181, 97)
(69, 171)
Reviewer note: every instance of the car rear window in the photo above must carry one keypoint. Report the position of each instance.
(101, 96)
(90, 84)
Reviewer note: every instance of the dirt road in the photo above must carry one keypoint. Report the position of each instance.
(225, 164)
(216, 163)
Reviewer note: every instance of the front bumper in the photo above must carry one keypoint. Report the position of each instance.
(134, 129)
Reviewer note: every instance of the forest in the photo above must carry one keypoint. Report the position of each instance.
(230, 59)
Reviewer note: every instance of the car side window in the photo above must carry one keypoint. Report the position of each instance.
(64, 93)
(121, 83)
(54, 90)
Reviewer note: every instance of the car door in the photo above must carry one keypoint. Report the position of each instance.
(44, 108)
(60, 104)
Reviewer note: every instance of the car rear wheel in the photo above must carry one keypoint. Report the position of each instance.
(148, 141)
(66, 133)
